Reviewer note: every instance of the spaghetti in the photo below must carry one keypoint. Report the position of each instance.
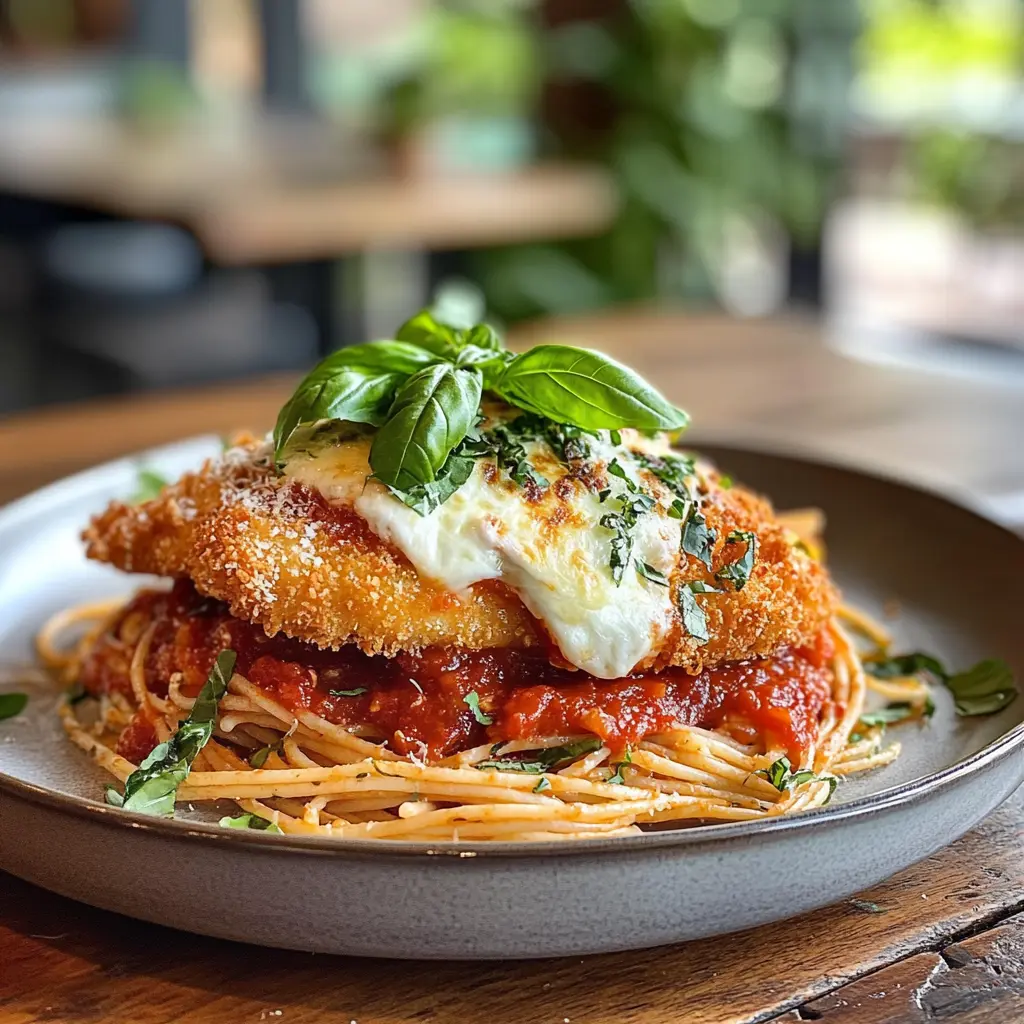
(318, 777)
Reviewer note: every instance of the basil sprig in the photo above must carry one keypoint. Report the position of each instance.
(431, 414)
(355, 384)
(153, 786)
(423, 390)
(983, 689)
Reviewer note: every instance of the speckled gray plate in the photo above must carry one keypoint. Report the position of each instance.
(959, 580)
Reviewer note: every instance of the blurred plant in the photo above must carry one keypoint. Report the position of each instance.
(979, 177)
(937, 37)
(721, 120)
(468, 59)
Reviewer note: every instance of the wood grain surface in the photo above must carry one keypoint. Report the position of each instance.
(63, 961)
(253, 201)
(940, 942)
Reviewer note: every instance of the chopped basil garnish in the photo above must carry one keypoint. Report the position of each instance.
(500, 444)
(259, 759)
(674, 471)
(650, 573)
(897, 711)
(698, 539)
(905, 665)
(627, 758)
(622, 524)
(536, 762)
(694, 620)
(680, 509)
(423, 392)
(152, 787)
(542, 784)
(738, 573)
(357, 692)
(472, 699)
(781, 775)
(983, 689)
(251, 821)
(12, 704)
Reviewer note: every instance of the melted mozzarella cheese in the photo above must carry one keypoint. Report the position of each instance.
(552, 551)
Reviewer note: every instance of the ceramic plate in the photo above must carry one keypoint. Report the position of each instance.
(959, 582)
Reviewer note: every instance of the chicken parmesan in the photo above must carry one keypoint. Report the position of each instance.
(461, 593)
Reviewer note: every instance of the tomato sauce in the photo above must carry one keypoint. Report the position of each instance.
(418, 702)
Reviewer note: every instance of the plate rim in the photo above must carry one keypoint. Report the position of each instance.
(711, 835)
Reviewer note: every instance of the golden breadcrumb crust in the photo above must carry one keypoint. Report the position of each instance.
(279, 556)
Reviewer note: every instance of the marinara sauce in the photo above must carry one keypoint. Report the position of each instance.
(419, 702)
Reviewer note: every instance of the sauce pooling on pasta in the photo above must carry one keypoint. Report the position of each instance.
(418, 703)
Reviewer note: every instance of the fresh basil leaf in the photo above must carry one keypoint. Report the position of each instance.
(573, 385)
(697, 538)
(738, 573)
(781, 775)
(472, 700)
(357, 692)
(251, 821)
(148, 486)
(152, 787)
(424, 498)
(906, 665)
(984, 689)
(694, 620)
(648, 572)
(432, 335)
(356, 384)
(12, 704)
(536, 762)
(432, 412)
(483, 336)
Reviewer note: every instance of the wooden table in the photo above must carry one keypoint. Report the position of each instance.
(943, 941)
(277, 192)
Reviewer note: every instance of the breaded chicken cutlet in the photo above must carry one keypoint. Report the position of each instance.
(304, 562)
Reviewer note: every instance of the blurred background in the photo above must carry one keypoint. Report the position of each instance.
(198, 191)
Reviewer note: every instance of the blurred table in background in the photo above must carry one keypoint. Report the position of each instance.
(279, 192)
(769, 383)
(940, 940)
